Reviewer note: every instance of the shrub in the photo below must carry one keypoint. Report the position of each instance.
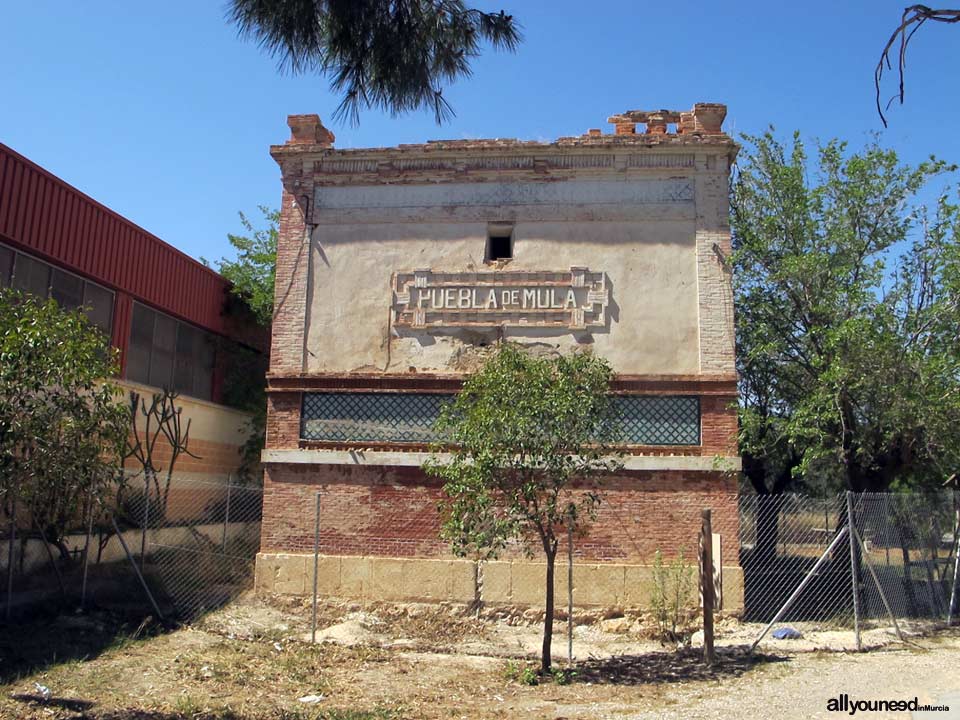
(671, 595)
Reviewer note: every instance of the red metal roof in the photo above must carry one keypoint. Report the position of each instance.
(43, 215)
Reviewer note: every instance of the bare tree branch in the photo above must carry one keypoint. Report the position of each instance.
(912, 20)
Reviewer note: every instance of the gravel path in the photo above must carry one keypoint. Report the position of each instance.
(802, 686)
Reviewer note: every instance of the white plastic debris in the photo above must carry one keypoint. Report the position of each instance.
(43, 691)
(310, 699)
(278, 647)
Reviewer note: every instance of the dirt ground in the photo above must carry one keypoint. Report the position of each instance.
(254, 659)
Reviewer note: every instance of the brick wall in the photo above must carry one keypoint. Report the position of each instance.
(211, 458)
(392, 512)
(714, 290)
(290, 299)
(283, 420)
(718, 425)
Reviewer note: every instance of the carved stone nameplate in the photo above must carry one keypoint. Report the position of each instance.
(577, 300)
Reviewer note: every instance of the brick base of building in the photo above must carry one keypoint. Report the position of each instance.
(379, 538)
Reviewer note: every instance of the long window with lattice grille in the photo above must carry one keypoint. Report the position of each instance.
(350, 417)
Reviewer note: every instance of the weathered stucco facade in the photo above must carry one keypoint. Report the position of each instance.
(397, 270)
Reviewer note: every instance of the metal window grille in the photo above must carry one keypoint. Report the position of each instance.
(659, 420)
(409, 418)
(370, 417)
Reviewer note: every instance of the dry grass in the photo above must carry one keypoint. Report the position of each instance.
(249, 661)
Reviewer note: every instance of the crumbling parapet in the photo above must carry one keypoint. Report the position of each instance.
(705, 118)
(308, 130)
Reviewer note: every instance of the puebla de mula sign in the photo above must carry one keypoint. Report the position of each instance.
(574, 300)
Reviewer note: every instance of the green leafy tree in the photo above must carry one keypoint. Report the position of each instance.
(252, 273)
(846, 297)
(251, 276)
(528, 438)
(393, 55)
(62, 423)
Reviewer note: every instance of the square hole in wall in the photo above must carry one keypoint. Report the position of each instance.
(499, 243)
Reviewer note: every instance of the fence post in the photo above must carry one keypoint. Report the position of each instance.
(570, 596)
(133, 563)
(316, 569)
(226, 516)
(146, 519)
(706, 584)
(886, 526)
(854, 572)
(86, 552)
(53, 562)
(953, 590)
(10, 553)
(844, 531)
(876, 581)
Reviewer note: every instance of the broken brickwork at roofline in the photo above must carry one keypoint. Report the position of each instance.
(703, 122)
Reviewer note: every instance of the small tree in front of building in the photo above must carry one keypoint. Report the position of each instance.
(62, 427)
(528, 441)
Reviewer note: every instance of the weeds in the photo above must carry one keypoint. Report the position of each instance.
(525, 674)
(188, 706)
(670, 595)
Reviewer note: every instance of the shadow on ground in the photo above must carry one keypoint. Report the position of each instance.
(85, 711)
(30, 645)
(666, 667)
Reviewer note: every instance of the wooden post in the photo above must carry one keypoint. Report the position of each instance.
(706, 585)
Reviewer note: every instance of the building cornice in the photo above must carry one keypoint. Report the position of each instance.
(309, 153)
(416, 459)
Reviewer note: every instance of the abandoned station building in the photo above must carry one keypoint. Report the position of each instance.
(398, 267)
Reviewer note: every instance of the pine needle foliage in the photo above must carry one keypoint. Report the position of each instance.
(391, 55)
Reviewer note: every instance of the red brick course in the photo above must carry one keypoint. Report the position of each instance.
(393, 512)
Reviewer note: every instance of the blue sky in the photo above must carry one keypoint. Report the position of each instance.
(160, 112)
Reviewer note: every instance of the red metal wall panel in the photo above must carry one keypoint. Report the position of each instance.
(41, 214)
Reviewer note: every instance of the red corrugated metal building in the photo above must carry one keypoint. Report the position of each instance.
(165, 311)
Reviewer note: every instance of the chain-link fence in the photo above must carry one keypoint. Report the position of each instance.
(802, 561)
(176, 546)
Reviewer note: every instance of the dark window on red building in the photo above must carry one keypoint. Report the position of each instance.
(164, 352)
(6, 266)
(31, 276)
(43, 280)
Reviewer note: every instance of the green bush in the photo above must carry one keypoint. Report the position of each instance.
(671, 595)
